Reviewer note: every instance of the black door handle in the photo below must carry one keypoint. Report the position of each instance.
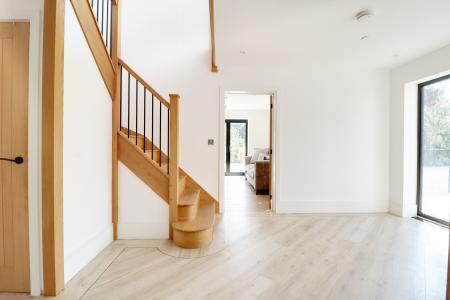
(18, 160)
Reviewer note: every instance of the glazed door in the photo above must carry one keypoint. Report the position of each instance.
(434, 150)
(236, 146)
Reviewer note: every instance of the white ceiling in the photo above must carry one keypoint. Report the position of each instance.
(295, 31)
(239, 101)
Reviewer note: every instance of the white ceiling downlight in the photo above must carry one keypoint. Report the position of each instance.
(365, 15)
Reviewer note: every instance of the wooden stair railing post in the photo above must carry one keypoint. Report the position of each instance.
(52, 147)
(214, 68)
(115, 53)
(174, 175)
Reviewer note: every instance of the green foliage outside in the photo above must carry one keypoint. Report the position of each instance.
(237, 143)
(436, 127)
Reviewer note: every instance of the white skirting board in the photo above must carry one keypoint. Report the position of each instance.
(332, 207)
(145, 230)
(78, 259)
(396, 208)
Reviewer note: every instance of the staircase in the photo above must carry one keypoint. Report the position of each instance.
(146, 131)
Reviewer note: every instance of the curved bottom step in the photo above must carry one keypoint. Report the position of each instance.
(192, 240)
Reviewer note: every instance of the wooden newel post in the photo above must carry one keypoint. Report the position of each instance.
(173, 162)
(115, 53)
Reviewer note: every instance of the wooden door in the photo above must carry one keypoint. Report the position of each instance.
(14, 252)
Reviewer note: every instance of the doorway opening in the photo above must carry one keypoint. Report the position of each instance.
(247, 162)
(433, 194)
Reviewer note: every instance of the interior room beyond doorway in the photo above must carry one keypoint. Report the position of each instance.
(247, 143)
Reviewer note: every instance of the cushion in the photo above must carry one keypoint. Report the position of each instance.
(250, 170)
(263, 156)
(255, 156)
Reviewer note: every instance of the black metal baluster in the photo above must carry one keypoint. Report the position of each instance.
(92, 4)
(128, 128)
(153, 102)
(145, 111)
(137, 87)
(98, 2)
(103, 9)
(160, 144)
(120, 116)
(107, 24)
(168, 138)
(110, 29)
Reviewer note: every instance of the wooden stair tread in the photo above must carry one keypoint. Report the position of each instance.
(203, 220)
(149, 151)
(189, 197)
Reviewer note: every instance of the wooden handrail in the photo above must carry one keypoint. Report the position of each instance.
(213, 39)
(92, 33)
(144, 83)
(174, 174)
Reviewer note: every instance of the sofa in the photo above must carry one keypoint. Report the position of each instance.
(257, 173)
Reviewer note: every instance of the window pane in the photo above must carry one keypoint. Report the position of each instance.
(435, 147)
(237, 147)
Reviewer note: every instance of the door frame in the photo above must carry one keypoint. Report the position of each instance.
(275, 178)
(34, 139)
(227, 122)
(419, 148)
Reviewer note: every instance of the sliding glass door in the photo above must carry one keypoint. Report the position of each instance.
(236, 146)
(434, 150)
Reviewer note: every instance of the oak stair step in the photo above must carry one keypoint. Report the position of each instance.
(188, 204)
(155, 155)
(140, 140)
(198, 232)
(182, 183)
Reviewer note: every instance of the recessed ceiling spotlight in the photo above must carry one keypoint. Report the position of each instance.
(365, 15)
(364, 37)
(242, 52)
(396, 55)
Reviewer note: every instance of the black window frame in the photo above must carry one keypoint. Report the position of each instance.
(419, 150)
(227, 145)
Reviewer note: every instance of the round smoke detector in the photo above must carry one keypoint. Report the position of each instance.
(364, 15)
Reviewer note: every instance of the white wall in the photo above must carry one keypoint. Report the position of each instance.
(403, 131)
(258, 127)
(142, 213)
(23, 5)
(333, 134)
(87, 153)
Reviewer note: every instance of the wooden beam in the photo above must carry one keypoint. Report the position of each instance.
(213, 37)
(95, 41)
(174, 175)
(115, 47)
(52, 147)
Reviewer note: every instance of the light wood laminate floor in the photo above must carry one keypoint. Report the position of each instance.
(370, 256)
(240, 197)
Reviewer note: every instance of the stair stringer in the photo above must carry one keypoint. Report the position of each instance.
(190, 182)
(143, 167)
(95, 41)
